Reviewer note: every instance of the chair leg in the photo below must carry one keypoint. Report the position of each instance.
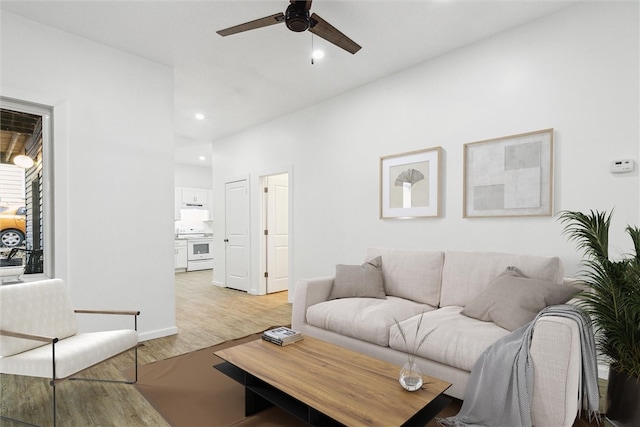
(53, 387)
(55, 418)
(135, 371)
(53, 392)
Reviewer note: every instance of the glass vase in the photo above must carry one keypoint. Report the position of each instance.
(411, 376)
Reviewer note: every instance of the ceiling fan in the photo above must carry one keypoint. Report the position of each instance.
(297, 19)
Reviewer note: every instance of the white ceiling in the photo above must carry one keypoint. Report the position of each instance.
(249, 78)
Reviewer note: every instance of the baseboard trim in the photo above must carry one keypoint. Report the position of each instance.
(158, 333)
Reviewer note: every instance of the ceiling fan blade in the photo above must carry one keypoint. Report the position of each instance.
(323, 29)
(252, 25)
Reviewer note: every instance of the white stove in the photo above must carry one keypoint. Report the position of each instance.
(199, 248)
(190, 232)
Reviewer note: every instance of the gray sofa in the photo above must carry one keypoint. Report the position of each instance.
(434, 288)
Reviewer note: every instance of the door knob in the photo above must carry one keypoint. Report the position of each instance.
(226, 240)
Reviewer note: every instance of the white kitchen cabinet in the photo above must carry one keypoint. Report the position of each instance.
(195, 195)
(192, 198)
(181, 254)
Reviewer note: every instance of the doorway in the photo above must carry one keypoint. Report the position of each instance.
(275, 235)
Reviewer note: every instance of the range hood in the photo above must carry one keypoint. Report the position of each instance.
(193, 206)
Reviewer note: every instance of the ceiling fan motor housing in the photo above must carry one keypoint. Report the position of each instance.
(297, 18)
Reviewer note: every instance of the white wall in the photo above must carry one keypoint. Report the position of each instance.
(114, 178)
(192, 176)
(575, 71)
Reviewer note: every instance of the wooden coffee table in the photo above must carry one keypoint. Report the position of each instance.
(323, 384)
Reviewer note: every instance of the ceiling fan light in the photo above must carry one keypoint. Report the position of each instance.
(318, 54)
(23, 161)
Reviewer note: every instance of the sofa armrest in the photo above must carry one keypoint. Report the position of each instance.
(307, 293)
(556, 360)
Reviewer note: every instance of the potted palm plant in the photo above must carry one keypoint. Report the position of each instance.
(612, 299)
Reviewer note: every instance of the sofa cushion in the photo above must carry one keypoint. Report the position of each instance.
(466, 274)
(414, 275)
(367, 319)
(452, 338)
(364, 281)
(513, 300)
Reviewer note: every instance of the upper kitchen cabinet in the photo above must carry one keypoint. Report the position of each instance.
(192, 198)
(195, 197)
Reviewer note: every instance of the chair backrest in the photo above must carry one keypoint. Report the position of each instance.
(38, 308)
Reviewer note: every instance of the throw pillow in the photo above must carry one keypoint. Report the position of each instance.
(513, 300)
(360, 281)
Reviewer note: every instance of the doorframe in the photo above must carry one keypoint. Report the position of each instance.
(261, 246)
(264, 265)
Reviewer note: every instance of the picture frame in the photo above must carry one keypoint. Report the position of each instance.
(509, 176)
(410, 184)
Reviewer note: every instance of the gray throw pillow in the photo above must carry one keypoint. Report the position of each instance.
(360, 281)
(513, 300)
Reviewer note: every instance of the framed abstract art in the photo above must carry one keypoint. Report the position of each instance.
(509, 176)
(410, 184)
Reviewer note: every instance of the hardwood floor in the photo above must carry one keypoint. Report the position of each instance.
(205, 315)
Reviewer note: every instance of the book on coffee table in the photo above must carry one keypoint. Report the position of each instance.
(282, 336)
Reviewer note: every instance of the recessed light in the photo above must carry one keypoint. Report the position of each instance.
(199, 116)
(202, 158)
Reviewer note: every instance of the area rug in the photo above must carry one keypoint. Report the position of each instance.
(188, 392)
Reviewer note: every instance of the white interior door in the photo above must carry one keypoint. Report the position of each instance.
(277, 235)
(237, 243)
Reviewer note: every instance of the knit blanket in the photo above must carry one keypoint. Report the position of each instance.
(497, 396)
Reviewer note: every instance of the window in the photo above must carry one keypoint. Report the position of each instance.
(27, 217)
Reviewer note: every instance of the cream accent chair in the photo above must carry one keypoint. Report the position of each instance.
(39, 335)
